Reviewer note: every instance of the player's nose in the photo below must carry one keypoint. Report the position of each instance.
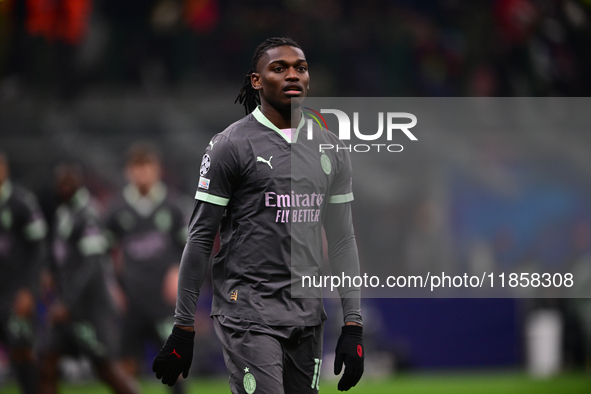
(292, 74)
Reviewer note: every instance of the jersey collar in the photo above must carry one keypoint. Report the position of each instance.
(145, 205)
(258, 114)
(5, 191)
(80, 199)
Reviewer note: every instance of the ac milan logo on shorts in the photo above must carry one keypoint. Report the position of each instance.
(249, 382)
(360, 350)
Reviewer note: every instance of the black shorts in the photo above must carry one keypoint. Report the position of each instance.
(270, 360)
(15, 331)
(138, 329)
(92, 338)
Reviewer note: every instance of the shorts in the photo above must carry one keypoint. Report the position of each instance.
(15, 331)
(92, 339)
(270, 360)
(138, 329)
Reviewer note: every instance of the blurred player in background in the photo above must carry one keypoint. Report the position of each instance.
(148, 226)
(22, 251)
(82, 318)
(250, 174)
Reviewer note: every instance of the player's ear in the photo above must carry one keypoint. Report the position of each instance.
(255, 81)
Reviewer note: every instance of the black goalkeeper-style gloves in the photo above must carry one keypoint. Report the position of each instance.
(175, 357)
(349, 351)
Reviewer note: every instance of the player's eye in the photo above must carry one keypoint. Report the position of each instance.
(302, 69)
(278, 69)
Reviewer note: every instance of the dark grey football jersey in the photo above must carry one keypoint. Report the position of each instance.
(275, 192)
(22, 232)
(80, 257)
(151, 231)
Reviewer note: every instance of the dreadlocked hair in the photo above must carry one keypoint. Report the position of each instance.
(248, 96)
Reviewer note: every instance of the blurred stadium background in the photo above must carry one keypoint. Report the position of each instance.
(83, 79)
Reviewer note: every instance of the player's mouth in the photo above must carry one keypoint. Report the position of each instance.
(293, 90)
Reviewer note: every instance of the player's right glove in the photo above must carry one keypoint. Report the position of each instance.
(349, 351)
(175, 357)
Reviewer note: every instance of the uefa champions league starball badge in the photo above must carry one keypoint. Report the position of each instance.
(205, 163)
(249, 382)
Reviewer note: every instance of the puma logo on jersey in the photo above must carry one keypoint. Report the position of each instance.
(265, 161)
(212, 144)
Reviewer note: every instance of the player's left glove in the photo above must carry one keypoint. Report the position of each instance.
(175, 357)
(349, 351)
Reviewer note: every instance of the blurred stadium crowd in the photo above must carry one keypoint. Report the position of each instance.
(392, 48)
(81, 80)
